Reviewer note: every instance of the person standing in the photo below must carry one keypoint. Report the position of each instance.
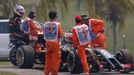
(96, 27)
(15, 24)
(98, 30)
(52, 34)
(30, 28)
(81, 39)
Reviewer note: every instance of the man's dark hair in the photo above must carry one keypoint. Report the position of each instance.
(52, 14)
(31, 14)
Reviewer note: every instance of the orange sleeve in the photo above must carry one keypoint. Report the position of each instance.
(74, 38)
(32, 25)
(60, 31)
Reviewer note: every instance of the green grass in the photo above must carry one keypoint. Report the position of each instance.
(5, 63)
(7, 73)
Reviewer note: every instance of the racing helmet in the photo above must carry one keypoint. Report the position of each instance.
(68, 37)
(19, 10)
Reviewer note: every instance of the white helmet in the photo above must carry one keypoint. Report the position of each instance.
(19, 10)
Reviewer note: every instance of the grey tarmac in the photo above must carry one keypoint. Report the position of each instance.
(39, 71)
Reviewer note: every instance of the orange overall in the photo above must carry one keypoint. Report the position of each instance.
(33, 31)
(99, 42)
(81, 48)
(97, 28)
(52, 33)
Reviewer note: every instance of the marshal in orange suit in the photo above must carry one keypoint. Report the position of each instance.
(32, 29)
(52, 33)
(81, 39)
(97, 29)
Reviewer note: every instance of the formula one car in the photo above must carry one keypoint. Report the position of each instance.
(23, 54)
(101, 60)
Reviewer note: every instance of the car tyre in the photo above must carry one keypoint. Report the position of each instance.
(25, 56)
(12, 55)
(73, 63)
(124, 56)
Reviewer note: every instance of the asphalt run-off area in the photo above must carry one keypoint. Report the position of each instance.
(39, 71)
